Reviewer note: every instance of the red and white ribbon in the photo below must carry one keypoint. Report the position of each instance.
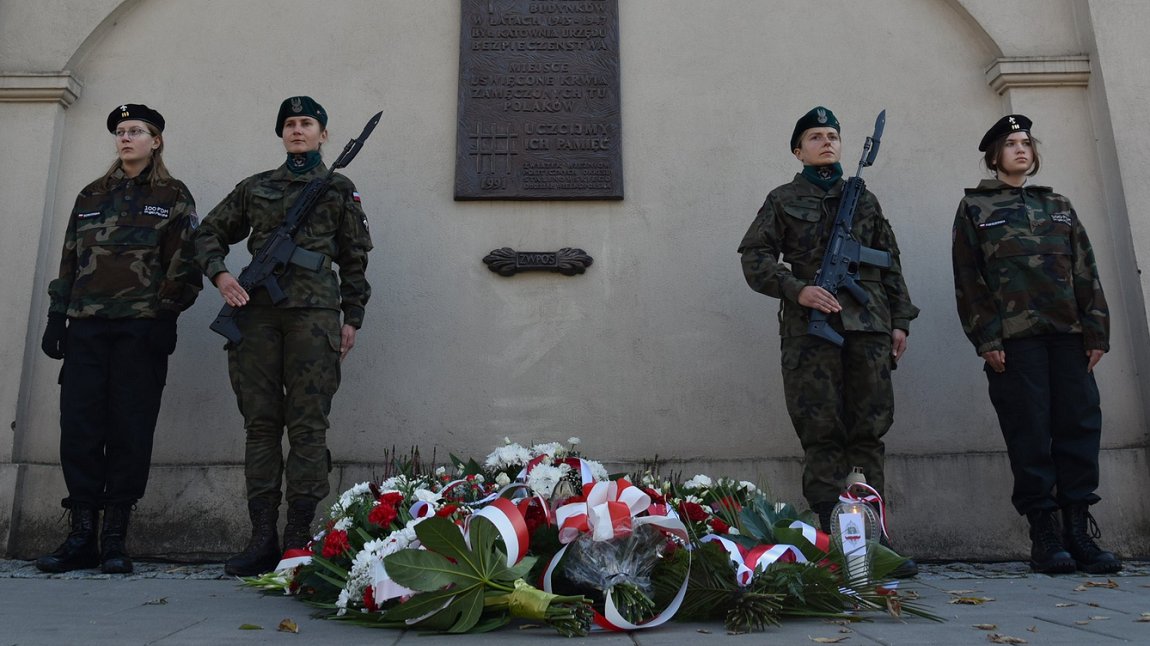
(869, 495)
(816, 537)
(756, 558)
(510, 524)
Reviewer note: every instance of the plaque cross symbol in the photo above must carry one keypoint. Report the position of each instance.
(492, 147)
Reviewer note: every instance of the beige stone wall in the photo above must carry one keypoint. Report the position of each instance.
(660, 347)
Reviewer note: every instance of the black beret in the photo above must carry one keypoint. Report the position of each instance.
(137, 112)
(1004, 126)
(297, 106)
(818, 117)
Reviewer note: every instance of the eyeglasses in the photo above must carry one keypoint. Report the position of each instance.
(131, 134)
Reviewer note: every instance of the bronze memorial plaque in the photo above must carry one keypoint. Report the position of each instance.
(539, 101)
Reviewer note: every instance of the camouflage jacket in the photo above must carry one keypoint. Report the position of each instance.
(336, 228)
(128, 251)
(1023, 266)
(784, 247)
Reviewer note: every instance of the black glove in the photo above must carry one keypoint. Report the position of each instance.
(55, 336)
(162, 337)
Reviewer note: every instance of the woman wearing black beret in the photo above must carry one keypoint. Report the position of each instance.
(1032, 305)
(126, 273)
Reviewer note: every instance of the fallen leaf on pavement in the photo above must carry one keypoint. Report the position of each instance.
(1098, 618)
(704, 631)
(985, 626)
(1144, 617)
(959, 593)
(1082, 622)
(971, 601)
(995, 638)
(826, 640)
(162, 601)
(288, 626)
(1033, 629)
(1108, 583)
(250, 627)
(1064, 605)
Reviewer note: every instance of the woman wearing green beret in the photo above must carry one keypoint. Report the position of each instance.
(126, 273)
(1031, 303)
(286, 369)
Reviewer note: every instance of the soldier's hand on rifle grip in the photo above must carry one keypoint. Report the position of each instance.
(230, 289)
(819, 299)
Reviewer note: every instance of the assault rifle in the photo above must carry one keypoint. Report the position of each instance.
(844, 254)
(280, 249)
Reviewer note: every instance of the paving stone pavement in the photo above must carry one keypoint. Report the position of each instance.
(178, 603)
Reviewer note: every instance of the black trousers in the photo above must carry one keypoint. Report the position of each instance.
(110, 389)
(1048, 408)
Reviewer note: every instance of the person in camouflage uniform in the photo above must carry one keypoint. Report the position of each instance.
(286, 369)
(126, 273)
(840, 400)
(1031, 303)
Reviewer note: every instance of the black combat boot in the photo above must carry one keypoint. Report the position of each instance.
(907, 568)
(113, 556)
(1079, 531)
(1047, 554)
(297, 531)
(80, 550)
(262, 552)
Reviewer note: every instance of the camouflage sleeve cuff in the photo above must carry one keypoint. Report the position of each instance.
(1092, 342)
(215, 267)
(988, 346)
(792, 286)
(901, 324)
(353, 316)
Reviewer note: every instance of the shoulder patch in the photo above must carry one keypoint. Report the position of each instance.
(1062, 218)
(991, 223)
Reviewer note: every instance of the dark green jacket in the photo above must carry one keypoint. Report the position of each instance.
(1023, 266)
(128, 251)
(336, 227)
(784, 247)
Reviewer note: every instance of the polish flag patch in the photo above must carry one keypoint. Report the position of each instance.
(355, 196)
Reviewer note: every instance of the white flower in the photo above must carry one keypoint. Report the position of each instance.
(598, 471)
(426, 495)
(747, 486)
(343, 523)
(502, 479)
(554, 449)
(573, 441)
(440, 471)
(544, 477)
(700, 481)
(506, 457)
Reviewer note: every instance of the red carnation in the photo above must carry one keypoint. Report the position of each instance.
(382, 514)
(369, 599)
(729, 503)
(719, 527)
(393, 498)
(335, 543)
(693, 511)
(446, 511)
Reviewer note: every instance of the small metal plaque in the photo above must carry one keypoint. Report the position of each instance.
(567, 261)
(539, 115)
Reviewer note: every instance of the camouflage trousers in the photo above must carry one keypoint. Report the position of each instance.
(285, 373)
(841, 403)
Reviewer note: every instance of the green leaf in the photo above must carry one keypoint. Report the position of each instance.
(443, 536)
(424, 571)
(470, 609)
(421, 604)
(520, 570)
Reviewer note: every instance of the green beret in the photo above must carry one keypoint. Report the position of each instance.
(299, 106)
(818, 117)
(136, 112)
(1004, 126)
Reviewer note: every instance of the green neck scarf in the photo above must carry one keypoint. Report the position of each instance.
(823, 176)
(300, 164)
